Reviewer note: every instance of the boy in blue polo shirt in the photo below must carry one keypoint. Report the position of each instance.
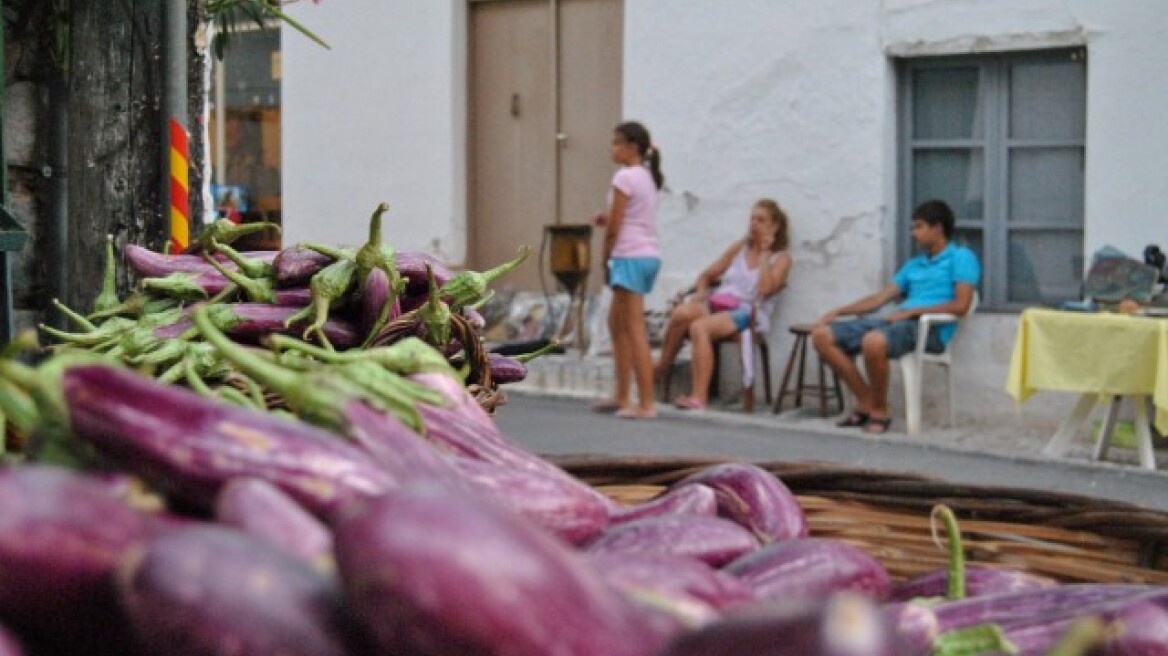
(939, 280)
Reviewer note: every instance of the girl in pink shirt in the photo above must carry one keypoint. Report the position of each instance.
(633, 258)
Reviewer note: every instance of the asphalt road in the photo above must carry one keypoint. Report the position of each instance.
(559, 426)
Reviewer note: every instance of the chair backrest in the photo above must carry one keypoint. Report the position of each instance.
(945, 356)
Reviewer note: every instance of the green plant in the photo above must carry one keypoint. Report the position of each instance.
(227, 15)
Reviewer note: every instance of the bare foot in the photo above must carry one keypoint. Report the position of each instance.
(637, 413)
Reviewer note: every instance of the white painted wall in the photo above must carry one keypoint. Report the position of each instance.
(379, 117)
(793, 100)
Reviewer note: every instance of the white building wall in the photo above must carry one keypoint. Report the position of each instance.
(379, 117)
(793, 100)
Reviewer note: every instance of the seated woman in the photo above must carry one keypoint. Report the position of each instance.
(752, 269)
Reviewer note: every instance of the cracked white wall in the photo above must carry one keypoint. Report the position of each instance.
(795, 100)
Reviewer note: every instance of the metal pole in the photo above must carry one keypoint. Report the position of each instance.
(174, 92)
(57, 171)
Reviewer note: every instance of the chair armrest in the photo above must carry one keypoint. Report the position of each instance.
(939, 318)
(927, 321)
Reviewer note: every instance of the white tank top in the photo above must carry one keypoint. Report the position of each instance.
(742, 281)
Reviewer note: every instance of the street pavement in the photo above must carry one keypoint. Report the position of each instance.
(563, 425)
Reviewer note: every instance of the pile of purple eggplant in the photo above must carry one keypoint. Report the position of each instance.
(377, 509)
(188, 525)
(337, 299)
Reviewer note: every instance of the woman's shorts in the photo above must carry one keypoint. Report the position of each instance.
(901, 336)
(635, 274)
(741, 317)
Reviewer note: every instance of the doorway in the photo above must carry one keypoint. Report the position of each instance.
(545, 93)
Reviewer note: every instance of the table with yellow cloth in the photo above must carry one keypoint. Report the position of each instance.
(1104, 357)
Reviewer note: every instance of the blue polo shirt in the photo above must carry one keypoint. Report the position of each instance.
(933, 280)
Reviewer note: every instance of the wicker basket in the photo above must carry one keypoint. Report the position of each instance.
(1067, 537)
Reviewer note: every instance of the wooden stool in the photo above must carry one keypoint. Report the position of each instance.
(799, 354)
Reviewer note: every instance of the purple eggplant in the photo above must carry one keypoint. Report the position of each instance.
(564, 509)
(149, 264)
(188, 286)
(61, 535)
(251, 321)
(260, 509)
(979, 581)
(412, 265)
(673, 576)
(462, 427)
(712, 540)
(845, 625)
(191, 446)
(1138, 629)
(212, 590)
(753, 497)
(692, 499)
(1017, 606)
(377, 303)
(9, 645)
(506, 369)
(429, 570)
(916, 627)
(813, 568)
(296, 265)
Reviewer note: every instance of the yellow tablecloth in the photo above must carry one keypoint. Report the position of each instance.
(1082, 352)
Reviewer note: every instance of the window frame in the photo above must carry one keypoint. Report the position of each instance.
(996, 145)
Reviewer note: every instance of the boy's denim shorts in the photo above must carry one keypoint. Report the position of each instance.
(901, 336)
(636, 274)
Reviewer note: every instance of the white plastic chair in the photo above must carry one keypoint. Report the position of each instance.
(911, 365)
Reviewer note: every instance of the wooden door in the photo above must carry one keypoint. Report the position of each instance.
(544, 95)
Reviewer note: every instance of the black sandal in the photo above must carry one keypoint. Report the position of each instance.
(854, 420)
(877, 426)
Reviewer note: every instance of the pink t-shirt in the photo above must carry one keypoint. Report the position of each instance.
(638, 232)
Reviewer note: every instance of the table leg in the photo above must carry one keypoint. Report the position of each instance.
(1059, 442)
(1103, 440)
(1144, 432)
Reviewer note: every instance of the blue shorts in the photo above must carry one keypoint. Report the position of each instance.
(741, 317)
(901, 336)
(635, 274)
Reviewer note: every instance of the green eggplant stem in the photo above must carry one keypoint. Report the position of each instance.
(269, 373)
(335, 252)
(973, 640)
(250, 267)
(956, 549)
(547, 348)
(108, 297)
(78, 320)
(1082, 637)
(194, 381)
(255, 289)
(369, 255)
(18, 407)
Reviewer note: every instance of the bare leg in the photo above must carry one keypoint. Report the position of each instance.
(620, 350)
(704, 333)
(874, 347)
(637, 336)
(844, 366)
(675, 333)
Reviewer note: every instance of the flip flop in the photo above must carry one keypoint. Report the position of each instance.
(607, 406)
(688, 403)
(877, 425)
(856, 419)
(636, 413)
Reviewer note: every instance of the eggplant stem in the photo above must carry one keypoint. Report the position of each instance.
(956, 576)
